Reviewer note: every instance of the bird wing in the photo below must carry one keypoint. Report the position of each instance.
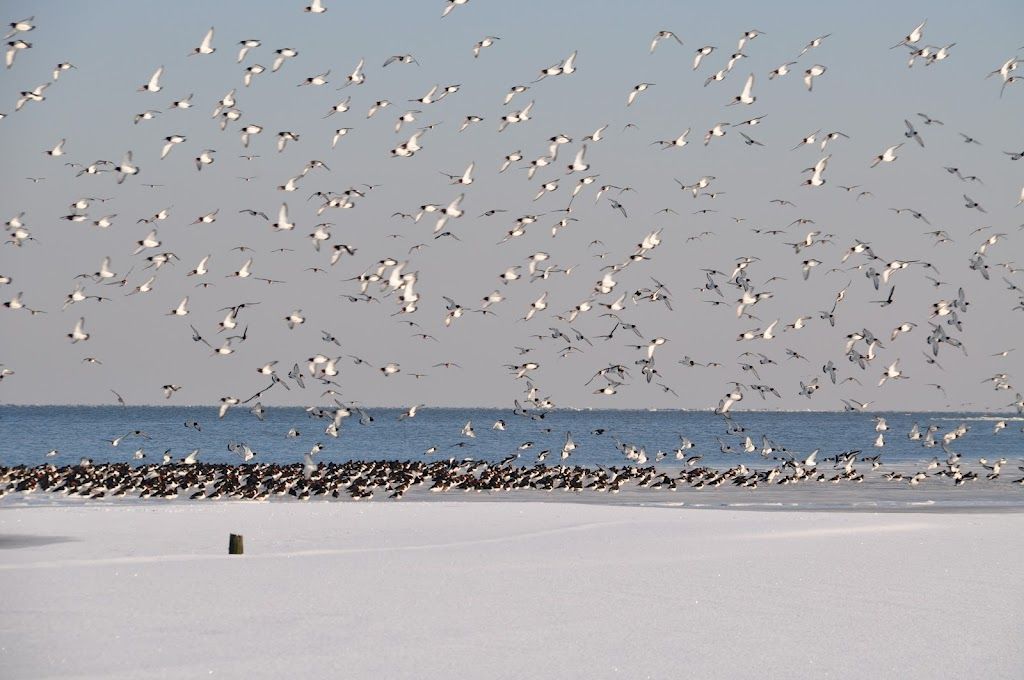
(748, 87)
(154, 81)
(579, 156)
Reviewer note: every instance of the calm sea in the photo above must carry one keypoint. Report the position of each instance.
(27, 433)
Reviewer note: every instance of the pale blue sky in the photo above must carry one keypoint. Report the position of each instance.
(867, 92)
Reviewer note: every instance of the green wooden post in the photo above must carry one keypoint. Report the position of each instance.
(235, 544)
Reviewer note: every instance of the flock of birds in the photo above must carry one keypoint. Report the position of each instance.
(559, 172)
(361, 480)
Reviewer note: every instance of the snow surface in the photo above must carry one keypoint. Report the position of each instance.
(506, 590)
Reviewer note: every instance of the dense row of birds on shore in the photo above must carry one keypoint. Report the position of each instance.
(560, 174)
(361, 480)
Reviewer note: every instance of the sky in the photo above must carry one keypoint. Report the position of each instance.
(866, 93)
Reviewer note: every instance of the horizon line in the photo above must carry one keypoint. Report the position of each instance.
(644, 409)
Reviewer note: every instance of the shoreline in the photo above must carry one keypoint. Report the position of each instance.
(928, 507)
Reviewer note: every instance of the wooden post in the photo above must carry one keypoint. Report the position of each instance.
(235, 544)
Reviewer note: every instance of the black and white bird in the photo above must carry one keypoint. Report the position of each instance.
(663, 35)
(206, 46)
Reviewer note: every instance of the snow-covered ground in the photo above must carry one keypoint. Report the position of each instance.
(506, 590)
